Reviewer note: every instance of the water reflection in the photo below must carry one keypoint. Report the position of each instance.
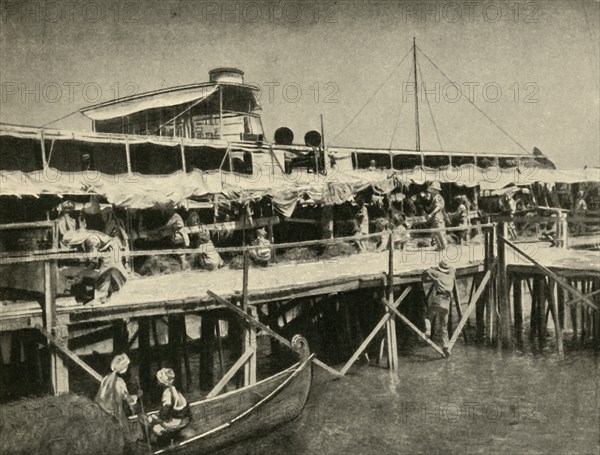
(478, 401)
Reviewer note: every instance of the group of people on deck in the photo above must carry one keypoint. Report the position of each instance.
(173, 415)
(430, 206)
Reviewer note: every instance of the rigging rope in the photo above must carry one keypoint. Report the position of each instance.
(61, 118)
(429, 106)
(410, 72)
(473, 104)
(372, 96)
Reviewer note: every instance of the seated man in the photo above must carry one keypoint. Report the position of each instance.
(208, 258)
(172, 231)
(261, 256)
(107, 273)
(399, 231)
(174, 413)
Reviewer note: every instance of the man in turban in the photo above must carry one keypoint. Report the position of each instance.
(113, 391)
(174, 413)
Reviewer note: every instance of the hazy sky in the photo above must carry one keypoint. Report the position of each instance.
(532, 66)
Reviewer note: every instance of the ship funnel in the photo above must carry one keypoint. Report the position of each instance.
(284, 136)
(228, 75)
(312, 139)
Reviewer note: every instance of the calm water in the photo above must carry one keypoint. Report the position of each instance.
(478, 401)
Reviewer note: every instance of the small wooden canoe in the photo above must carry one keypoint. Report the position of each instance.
(243, 413)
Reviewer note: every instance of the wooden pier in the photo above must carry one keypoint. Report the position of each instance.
(370, 303)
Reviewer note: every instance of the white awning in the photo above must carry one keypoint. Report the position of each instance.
(151, 100)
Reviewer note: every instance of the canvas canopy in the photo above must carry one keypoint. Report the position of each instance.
(137, 191)
(151, 100)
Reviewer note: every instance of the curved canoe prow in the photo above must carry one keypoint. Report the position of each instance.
(300, 346)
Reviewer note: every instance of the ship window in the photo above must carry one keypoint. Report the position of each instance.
(153, 159)
(18, 154)
(77, 156)
(382, 160)
(203, 158)
(407, 161)
(436, 161)
(459, 160)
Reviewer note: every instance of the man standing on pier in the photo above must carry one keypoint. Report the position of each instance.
(438, 308)
(436, 216)
(579, 210)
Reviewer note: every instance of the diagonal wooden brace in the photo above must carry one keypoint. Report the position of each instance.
(377, 328)
(70, 354)
(470, 309)
(415, 329)
(576, 292)
(231, 373)
(253, 322)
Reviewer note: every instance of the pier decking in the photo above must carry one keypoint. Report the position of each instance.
(187, 291)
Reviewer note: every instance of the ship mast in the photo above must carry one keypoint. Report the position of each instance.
(418, 137)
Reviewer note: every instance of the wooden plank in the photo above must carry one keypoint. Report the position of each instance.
(458, 308)
(267, 330)
(554, 276)
(554, 310)
(30, 225)
(469, 310)
(415, 329)
(97, 335)
(391, 324)
(70, 354)
(504, 331)
(376, 329)
(249, 352)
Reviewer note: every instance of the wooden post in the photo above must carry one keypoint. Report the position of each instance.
(484, 314)
(145, 374)
(541, 331)
(249, 331)
(554, 310)
(182, 150)
(250, 345)
(573, 312)
(272, 240)
(128, 156)
(43, 150)
(503, 291)
(176, 326)
(534, 294)
(120, 336)
(391, 323)
(207, 335)
(518, 308)
(59, 373)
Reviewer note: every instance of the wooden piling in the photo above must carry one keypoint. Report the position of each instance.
(551, 287)
(176, 328)
(535, 308)
(59, 372)
(145, 364)
(518, 308)
(207, 342)
(505, 334)
(120, 336)
(542, 298)
(392, 342)
(249, 331)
